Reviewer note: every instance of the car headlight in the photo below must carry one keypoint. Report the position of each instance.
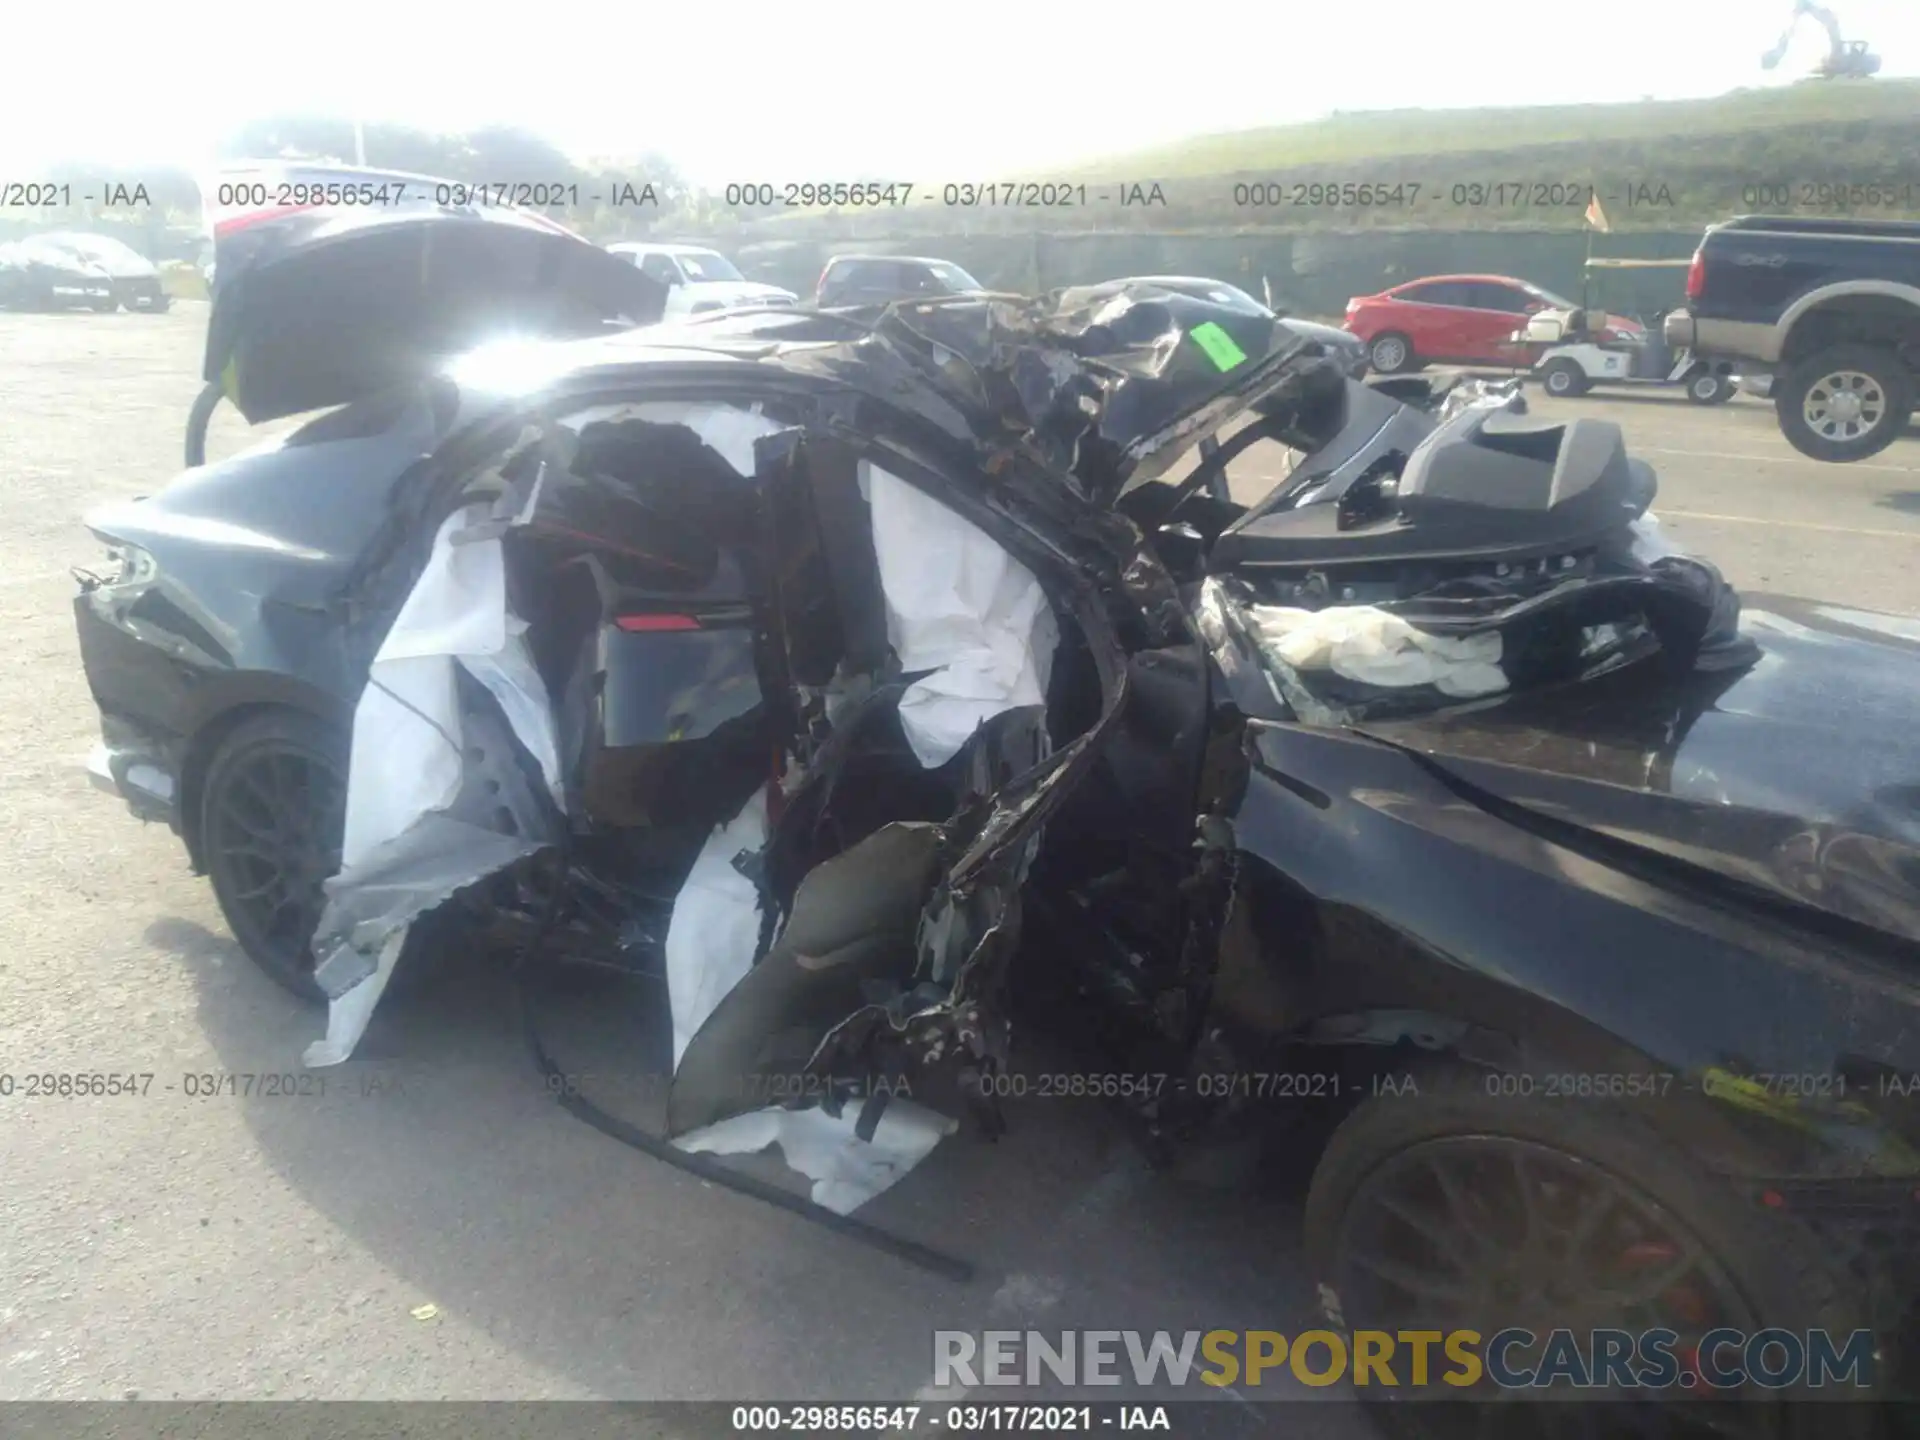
(127, 565)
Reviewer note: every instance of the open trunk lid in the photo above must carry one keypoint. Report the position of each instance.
(320, 307)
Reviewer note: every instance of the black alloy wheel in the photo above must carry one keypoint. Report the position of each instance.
(1487, 1232)
(273, 811)
(1466, 1207)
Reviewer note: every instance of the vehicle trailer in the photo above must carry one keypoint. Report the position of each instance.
(1829, 308)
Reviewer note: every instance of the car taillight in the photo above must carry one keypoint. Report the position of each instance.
(820, 285)
(1697, 275)
(655, 624)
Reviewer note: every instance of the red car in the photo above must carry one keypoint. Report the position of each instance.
(1461, 319)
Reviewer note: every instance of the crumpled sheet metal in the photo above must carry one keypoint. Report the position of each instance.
(1077, 381)
(422, 820)
(1372, 646)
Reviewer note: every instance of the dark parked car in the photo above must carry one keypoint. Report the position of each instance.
(879, 279)
(886, 677)
(135, 279)
(37, 276)
(1827, 311)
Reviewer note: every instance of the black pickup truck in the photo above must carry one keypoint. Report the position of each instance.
(1829, 308)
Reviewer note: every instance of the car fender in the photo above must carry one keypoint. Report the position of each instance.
(228, 699)
(1370, 886)
(1891, 290)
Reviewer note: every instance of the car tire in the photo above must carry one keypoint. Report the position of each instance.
(1564, 380)
(295, 741)
(1391, 353)
(1765, 1270)
(197, 420)
(1705, 387)
(273, 808)
(1844, 403)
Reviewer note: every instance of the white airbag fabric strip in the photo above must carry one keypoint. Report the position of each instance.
(715, 929)
(846, 1171)
(1376, 647)
(960, 606)
(403, 853)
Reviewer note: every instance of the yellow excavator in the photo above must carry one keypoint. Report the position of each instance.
(1844, 59)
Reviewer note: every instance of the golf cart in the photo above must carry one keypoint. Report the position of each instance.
(1576, 358)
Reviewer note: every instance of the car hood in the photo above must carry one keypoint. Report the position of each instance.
(67, 266)
(733, 292)
(131, 267)
(323, 307)
(1796, 778)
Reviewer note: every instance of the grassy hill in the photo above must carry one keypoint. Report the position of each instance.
(1792, 118)
(1818, 147)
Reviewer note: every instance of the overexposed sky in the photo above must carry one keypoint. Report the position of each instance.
(848, 89)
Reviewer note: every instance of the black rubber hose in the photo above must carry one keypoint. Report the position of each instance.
(197, 418)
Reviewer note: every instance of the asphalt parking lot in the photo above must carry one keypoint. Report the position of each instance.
(272, 1246)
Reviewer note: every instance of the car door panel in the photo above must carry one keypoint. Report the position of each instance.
(1497, 312)
(1440, 330)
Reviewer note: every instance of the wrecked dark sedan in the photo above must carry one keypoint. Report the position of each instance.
(37, 275)
(135, 279)
(889, 677)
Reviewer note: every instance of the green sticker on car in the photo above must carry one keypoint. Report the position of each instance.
(1218, 345)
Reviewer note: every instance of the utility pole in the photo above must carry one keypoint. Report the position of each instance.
(359, 142)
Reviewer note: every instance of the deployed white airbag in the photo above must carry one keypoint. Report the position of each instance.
(714, 932)
(403, 853)
(1375, 647)
(846, 1171)
(960, 606)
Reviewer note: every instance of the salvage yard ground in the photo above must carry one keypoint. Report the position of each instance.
(176, 1244)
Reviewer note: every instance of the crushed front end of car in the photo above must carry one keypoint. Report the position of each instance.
(765, 685)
